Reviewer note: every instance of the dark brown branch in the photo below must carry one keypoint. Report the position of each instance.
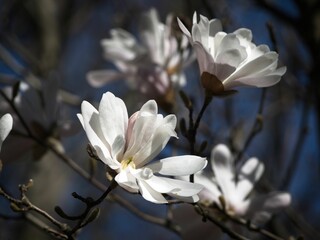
(206, 216)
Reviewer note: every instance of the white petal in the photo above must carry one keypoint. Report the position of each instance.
(252, 68)
(191, 199)
(184, 29)
(127, 181)
(185, 189)
(98, 78)
(157, 142)
(271, 202)
(6, 123)
(118, 148)
(179, 165)
(244, 33)
(249, 174)
(210, 191)
(204, 58)
(264, 81)
(214, 27)
(144, 127)
(113, 117)
(222, 163)
(160, 184)
(89, 119)
(149, 194)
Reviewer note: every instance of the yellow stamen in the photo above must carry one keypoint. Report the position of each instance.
(126, 162)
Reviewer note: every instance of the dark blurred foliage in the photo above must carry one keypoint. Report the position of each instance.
(59, 39)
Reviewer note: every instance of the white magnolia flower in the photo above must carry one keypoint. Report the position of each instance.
(229, 60)
(233, 195)
(127, 145)
(151, 65)
(6, 123)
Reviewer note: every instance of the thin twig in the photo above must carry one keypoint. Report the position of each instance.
(39, 224)
(206, 216)
(250, 226)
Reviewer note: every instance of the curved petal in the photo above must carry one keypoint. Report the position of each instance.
(142, 127)
(150, 194)
(249, 174)
(113, 117)
(184, 29)
(244, 33)
(271, 202)
(264, 81)
(160, 184)
(210, 191)
(157, 142)
(222, 164)
(127, 181)
(179, 165)
(89, 119)
(252, 67)
(184, 188)
(205, 60)
(191, 199)
(6, 123)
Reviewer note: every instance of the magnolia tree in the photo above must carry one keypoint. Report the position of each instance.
(148, 144)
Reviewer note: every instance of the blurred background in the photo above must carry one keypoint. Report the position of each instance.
(50, 45)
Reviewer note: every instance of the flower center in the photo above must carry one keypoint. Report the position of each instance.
(126, 162)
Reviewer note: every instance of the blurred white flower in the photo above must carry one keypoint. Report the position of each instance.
(152, 65)
(127, 145)
(229, 60)
(6, 123)
(235, 195)
(43, 108)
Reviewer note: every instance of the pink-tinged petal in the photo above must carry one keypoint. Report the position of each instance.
(6, 123)
(142, 127)
(222, 164)
(127, 181)
(249, 174)
(113, 117)
(271, 202)
(99, 78)
(179, 165)
(157, 142)
(150, 194)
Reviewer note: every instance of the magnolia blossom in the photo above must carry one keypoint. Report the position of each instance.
(43, 107)
(127, 145)
(152, 65)
(6, 123)
(229, 60)
(231, 190)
